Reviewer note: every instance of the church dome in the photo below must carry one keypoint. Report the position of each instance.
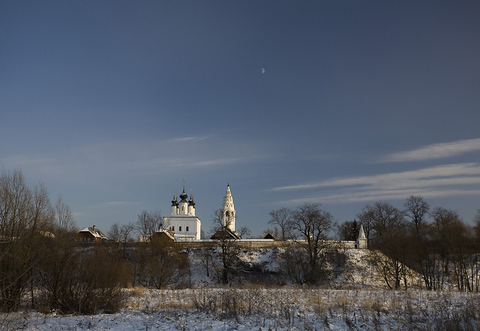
(184, 196)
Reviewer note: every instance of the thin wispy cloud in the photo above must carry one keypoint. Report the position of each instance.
(454, 173)
(216, 162)
(440, 181)
(378, 195)
(189, 139)
(435, 151)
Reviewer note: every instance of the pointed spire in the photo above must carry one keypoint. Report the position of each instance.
(361, 233)
(228, 209)
(361, 242)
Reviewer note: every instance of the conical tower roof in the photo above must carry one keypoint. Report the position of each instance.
(361, 233)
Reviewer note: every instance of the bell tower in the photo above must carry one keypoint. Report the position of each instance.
(228, 210)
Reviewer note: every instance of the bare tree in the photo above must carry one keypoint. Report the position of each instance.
(395, 244)
(386, 231)
(476, 227)
(25, 217)
(348, 230)
(244, 232)
(64, 216)
(126, 231)
(228, 248)
(379, 218)
(160, 262)
(367, 219)
(148, 223)
(416, 209)
(206, 256)
(122, 234)
(283, 219)
(453, 239)
(114, 233)
(421, 257)
(386, 217)
(313, 224)
(81, 282)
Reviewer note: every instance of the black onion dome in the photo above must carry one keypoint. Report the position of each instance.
(184, 196)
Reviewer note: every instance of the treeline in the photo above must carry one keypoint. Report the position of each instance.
(434, 242)
(38, 255)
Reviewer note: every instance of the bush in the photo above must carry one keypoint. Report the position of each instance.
(85, 281)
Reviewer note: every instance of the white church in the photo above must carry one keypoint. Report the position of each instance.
(183, 224)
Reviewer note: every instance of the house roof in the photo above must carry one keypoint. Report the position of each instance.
(225, 234)
(268, 236)
(168, 233)
(94, 232)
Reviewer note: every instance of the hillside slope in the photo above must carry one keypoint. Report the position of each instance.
(346, 268)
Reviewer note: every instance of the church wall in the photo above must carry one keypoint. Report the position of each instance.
(183, 226)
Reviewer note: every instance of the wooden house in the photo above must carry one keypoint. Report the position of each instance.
(90, 234)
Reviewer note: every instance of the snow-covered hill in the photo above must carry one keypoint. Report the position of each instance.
(348, 268)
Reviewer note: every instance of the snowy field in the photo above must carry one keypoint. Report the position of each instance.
(271, 309)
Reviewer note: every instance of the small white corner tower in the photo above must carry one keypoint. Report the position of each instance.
(228, 210)
(362, 239)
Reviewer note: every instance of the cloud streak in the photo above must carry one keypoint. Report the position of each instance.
(433, 176)
(189, 139)
(440, 181)
(379, 195)
(435, 151)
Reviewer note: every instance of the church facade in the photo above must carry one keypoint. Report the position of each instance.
(183, 222)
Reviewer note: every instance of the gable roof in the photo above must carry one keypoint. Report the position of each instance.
(225, 233)
(165, 232)
(97, 234)
(268, 236)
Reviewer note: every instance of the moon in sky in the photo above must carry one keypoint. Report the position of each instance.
(263, 70)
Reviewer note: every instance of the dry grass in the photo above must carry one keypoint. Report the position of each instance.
(313, 306)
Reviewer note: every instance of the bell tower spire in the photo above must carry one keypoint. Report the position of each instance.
(228, 210)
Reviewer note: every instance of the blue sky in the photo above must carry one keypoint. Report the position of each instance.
(112, 104)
